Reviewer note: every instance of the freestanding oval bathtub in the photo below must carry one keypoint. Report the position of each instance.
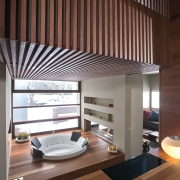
(59, 146)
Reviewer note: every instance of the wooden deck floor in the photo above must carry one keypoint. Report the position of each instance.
(96, 157)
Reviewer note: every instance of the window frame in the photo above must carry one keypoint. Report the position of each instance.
(56, 105)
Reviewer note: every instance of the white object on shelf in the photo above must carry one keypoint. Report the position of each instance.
(112, 149)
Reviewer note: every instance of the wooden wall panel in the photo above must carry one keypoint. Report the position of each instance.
(42, 22)
(120, 29)
(74, 24)
(100, 29)
(111, 28)
(126, 29)
(2, 20)
(137, 33)
(88, 23)
(116, 35)
(94, 27)
(106, 27)
(170, 101)
(130, 30)
(33, 21)
(51, 23)
(67, 24)
(59, 24)
(175, 32)
(82, 26)
(13, 20)
(14, 57)
(170, 79)
(6, 55)
(134, 37)
(23, 20)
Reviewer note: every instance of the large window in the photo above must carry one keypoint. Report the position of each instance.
(153, 96)
(40, 106)
(155, 99)
(146, 99)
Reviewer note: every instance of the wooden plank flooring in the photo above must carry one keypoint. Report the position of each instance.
(96, 157)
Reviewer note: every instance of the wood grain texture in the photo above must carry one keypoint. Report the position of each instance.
(169, 101)
(82, 26)
(33, 21)
(88, 23)
(96, 157)
(111, 28)
(96, 27)
(59, 24)
(23, 19)
(1, 59)
(34, 61)
(13, 20)
(95, 176)
(116, 35)
(106, 28)
(2, 20)
(20, 58)
(43, 22)
(74, 25)
(169, 82)
(14, 57)
(130, 32)
(100, 29)
(67, 24)
(6, 55)
(51, 23)
(121, 46)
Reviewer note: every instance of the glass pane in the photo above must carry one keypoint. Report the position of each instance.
(41, 113)
(146, 99)
(45, 85)
(43, 99)
(46, 126)
(155, 99)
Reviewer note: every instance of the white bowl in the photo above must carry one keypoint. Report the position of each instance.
(23, 140)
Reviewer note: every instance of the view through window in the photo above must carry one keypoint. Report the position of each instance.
(155, 99)
(40, 106)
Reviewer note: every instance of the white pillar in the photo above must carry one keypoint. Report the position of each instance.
(5, 115)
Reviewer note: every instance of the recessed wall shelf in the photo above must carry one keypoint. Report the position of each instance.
(99, 101)
(99, 110)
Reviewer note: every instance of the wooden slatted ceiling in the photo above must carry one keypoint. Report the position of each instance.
(36, 61)
(82, 39)
(127, 29)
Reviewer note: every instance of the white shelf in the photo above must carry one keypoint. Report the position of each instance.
(95, 107)
(98, 120)
(99, 101)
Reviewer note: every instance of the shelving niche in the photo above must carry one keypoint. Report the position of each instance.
(99, 101)
(99, 110)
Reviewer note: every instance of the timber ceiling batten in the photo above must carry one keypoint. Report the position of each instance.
(36, 61)
(43, 30)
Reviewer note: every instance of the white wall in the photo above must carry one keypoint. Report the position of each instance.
(146, 82)
(154, 81)
(134, 115)
(151, 82)
(126, 92)
(5, 112)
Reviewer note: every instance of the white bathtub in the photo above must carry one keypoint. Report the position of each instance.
(59, 146)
